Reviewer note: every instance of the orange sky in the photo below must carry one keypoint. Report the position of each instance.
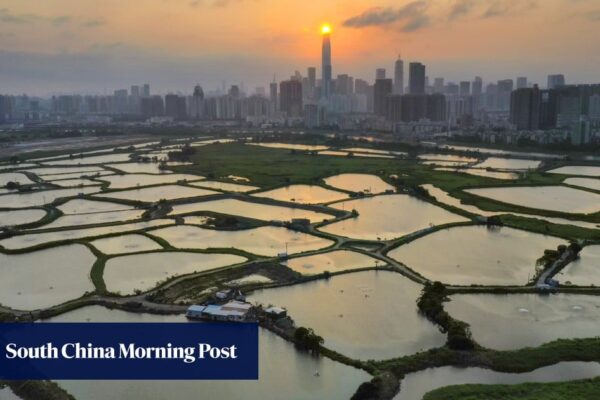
(250, 40)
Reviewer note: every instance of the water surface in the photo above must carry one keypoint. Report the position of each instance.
(125, 244)
(301, 147)
(388, 217)
(587, 183)
(585, 271)
(577, 170)
(41, 197)
(14, 177)
(154, 194)
(111, 158)
(46, 277)
(33, 239)
(248, 209)
(365, 315)
(533, 319)
(225, 186)
(265, 241)
(414, 386)
(479, 255)
(447, 157)
(133, 180)
(482, 172)
(333, 261)
(305, 194)
(509, 163)
(552, 198)
(359, 183)
(19, 217)
(296, 381)
(127, 273)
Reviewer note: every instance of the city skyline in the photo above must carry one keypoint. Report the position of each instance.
(84, 49)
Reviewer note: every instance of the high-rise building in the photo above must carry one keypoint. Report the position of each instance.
(342, 85)
(465, 88)
(521, 82)
(381, 91)
(146, 90)
(311, 116)
(416, 77)
(477, 86)
(290, 98)
(594, 108)
(152, 106)
(135, 91)
(438, 85)
(399, 76)
(452, 89)
(312, 82)
(380, 73)
(525, 106)
(273, 100)
(175, 106)
(327, 70)
(234, 91)
(196, 103)
(505, 88)
(555, 81)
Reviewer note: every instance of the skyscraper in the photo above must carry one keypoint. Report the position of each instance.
(326, 62)
(312, 82)
(196, 103)
(399, 76)
(438, 85)
(525, 106)
(465, 88)
(477, 86)
(556, 80)
(382, 91)
(416, 77)
(521, 82)
(290, 98)
(380, 73)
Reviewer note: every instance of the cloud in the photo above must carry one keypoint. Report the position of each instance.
(93, 23)
(60, 20)
(500, 8)
(412, 14)
(10, 18)
(594, 15)
(461, 8)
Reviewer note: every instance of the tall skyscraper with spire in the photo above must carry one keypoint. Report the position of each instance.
(326, 61)
(399, 76)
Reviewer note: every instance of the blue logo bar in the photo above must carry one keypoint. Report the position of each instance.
(128, 351)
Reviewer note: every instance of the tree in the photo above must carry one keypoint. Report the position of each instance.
(307, 339)
(12, 185)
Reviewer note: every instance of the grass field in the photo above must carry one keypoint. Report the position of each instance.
(587, 389)
(267, 167)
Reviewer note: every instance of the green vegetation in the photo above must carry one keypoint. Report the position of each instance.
(307, 339)
(431, 304)
(569, 232)
(37, 390)
(269, 167)
(574, 390)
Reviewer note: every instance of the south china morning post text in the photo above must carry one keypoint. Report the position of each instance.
(69, 351)
(128, 351)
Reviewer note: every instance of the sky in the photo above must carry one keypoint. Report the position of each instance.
(90, 46)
